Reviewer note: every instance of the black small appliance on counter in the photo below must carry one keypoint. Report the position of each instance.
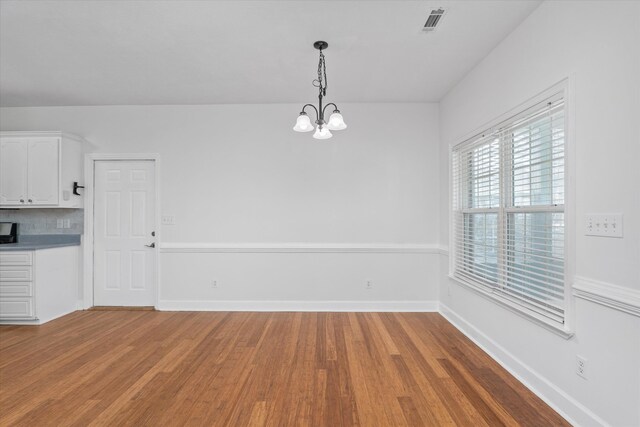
(8, 232)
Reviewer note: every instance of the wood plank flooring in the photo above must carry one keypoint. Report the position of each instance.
(137, 368)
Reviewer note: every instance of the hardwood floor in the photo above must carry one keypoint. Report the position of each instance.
(281, 369)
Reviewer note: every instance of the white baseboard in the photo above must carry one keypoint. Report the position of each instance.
(20, 322)
(37, 321)
(569, 408)
(356, 306)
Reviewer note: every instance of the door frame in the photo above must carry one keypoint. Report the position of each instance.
(90, 160)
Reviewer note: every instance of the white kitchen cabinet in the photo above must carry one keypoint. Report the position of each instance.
(13, 173)
(38, 169)
(38, 285)
(42, 176)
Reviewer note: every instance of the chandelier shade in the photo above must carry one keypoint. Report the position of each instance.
(322, 132)
(303, 123)
(336, 121)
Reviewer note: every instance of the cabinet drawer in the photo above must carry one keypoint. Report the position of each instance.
(16, 258)
(16, 308)
(15, 273)
(16, 289)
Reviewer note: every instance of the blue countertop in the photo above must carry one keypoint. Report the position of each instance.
(41, 241)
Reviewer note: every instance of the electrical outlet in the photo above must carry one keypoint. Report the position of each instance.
(603, 225)
(214, 284)
(168, 220)
(581, 366)
(368, 284)
(67, 223)
(60, 223)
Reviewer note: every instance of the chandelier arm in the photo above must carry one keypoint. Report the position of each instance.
(325, 107)
(314, 107)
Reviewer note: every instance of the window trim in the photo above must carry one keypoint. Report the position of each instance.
(565, 88)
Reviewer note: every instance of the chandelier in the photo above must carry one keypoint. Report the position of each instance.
(336, 122)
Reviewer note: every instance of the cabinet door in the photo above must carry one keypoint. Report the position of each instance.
(13, 171)
(43, 179)
(16, 308)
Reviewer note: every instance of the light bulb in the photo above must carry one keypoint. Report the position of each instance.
(336, 122)
(303, 124)
(322, 133)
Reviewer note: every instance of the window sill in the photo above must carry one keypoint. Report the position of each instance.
(549, 325)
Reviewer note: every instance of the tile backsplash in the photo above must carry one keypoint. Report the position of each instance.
(44, 221)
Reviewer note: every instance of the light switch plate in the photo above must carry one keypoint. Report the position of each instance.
(605, 225)
(168, 220)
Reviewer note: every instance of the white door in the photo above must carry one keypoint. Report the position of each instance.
(43, 176)
(13, 171)
(124, 233)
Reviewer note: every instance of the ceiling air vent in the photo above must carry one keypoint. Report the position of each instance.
(433, 19)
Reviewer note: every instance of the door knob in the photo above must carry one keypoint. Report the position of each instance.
(153, 245)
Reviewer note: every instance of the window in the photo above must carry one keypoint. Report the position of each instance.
(508, 211)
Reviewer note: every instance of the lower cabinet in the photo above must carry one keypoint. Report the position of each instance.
(38, 286)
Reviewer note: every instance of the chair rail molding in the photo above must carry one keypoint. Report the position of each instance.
(613, 296)
(400, 248)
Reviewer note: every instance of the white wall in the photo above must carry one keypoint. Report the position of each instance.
(560, 40)
(239, 174)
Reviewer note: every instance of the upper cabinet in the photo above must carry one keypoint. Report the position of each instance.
(43, 170)
(13, 171)
(38, 169)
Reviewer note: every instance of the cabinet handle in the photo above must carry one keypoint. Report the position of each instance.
(30, 201)
(21, 200)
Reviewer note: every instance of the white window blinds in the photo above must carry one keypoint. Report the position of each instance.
(508, 211)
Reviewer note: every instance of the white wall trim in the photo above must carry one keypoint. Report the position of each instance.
(613, 296)
(176, 247)
(21, 322)
(350, 306)
(569, 408)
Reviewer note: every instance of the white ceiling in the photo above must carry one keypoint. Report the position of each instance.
(231, 52)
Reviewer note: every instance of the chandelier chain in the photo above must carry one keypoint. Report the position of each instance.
(321, 81)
